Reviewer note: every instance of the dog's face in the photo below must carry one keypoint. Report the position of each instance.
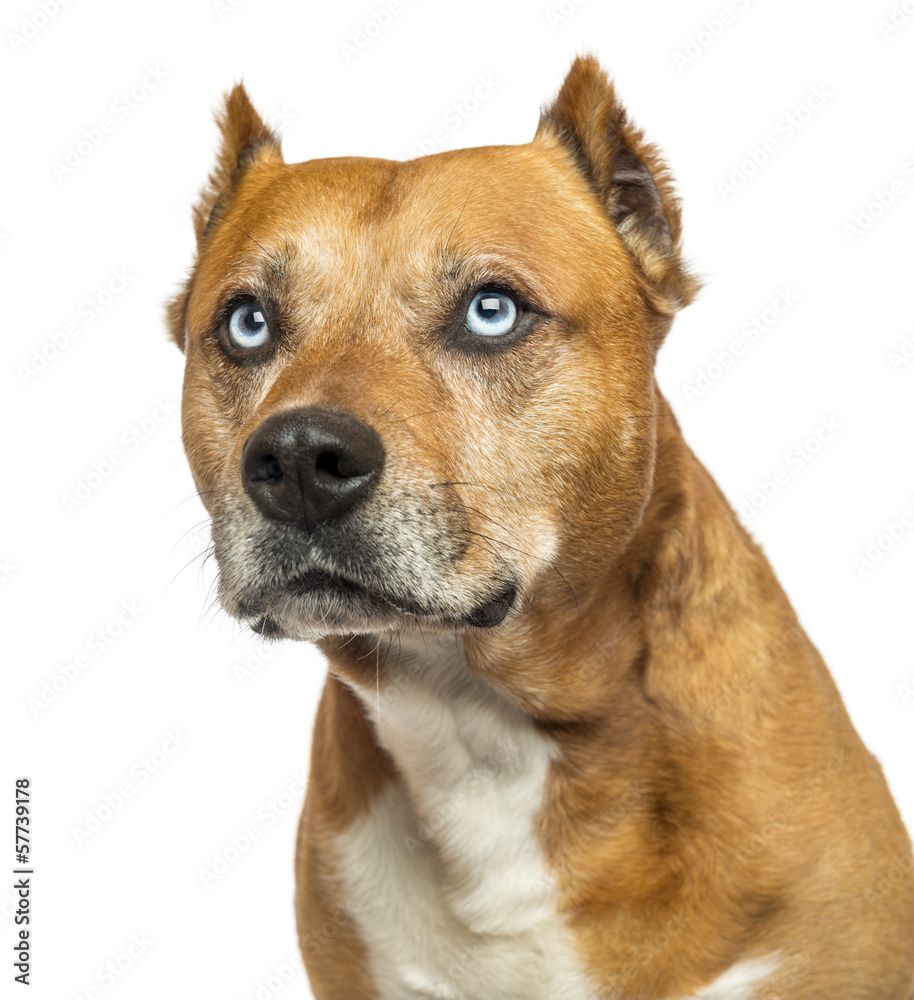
(413, 389)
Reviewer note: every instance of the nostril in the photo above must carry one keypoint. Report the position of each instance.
(329, 462)
(266, 469)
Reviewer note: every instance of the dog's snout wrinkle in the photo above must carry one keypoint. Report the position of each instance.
(310, 465)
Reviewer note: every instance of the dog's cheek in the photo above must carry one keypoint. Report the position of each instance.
(206, 437)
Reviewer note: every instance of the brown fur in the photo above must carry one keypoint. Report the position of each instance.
(712, 799)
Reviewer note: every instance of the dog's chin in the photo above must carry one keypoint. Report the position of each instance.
(319, 604)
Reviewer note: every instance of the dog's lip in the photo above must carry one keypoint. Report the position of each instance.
(314, 580)
(487, 614)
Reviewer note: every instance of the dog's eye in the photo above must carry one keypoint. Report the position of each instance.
(247, 326)
(491, 314)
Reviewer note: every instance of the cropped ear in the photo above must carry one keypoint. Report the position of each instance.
(246, 140)
(627, 174)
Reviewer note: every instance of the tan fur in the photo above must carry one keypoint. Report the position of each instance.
(711, 800)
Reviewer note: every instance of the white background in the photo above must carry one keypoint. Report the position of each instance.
(177, 663)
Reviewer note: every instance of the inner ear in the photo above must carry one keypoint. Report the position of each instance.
(626, 173)
(634, 192)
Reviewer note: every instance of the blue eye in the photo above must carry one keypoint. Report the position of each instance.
(491, 314)
(248, 326)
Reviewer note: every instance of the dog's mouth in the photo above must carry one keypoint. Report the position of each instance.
(318, 602)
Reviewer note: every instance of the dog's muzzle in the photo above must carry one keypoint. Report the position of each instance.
(305, 470)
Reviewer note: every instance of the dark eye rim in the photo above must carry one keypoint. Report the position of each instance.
(247, 357)
(461, 338)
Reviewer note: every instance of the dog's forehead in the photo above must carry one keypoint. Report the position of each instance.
(511, 212)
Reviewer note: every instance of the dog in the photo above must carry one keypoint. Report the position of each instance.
(573, 742)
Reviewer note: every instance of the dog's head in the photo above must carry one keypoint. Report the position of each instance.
(414, 389)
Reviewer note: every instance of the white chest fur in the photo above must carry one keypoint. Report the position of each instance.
(444, 876)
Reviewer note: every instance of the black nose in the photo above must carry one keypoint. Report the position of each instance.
(310, 465)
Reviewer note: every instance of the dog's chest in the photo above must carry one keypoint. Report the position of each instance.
(445, 876)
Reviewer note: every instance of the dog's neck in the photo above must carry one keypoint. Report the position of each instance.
(602, 655)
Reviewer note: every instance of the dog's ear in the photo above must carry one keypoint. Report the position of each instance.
(246, 140)
(626, 172)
